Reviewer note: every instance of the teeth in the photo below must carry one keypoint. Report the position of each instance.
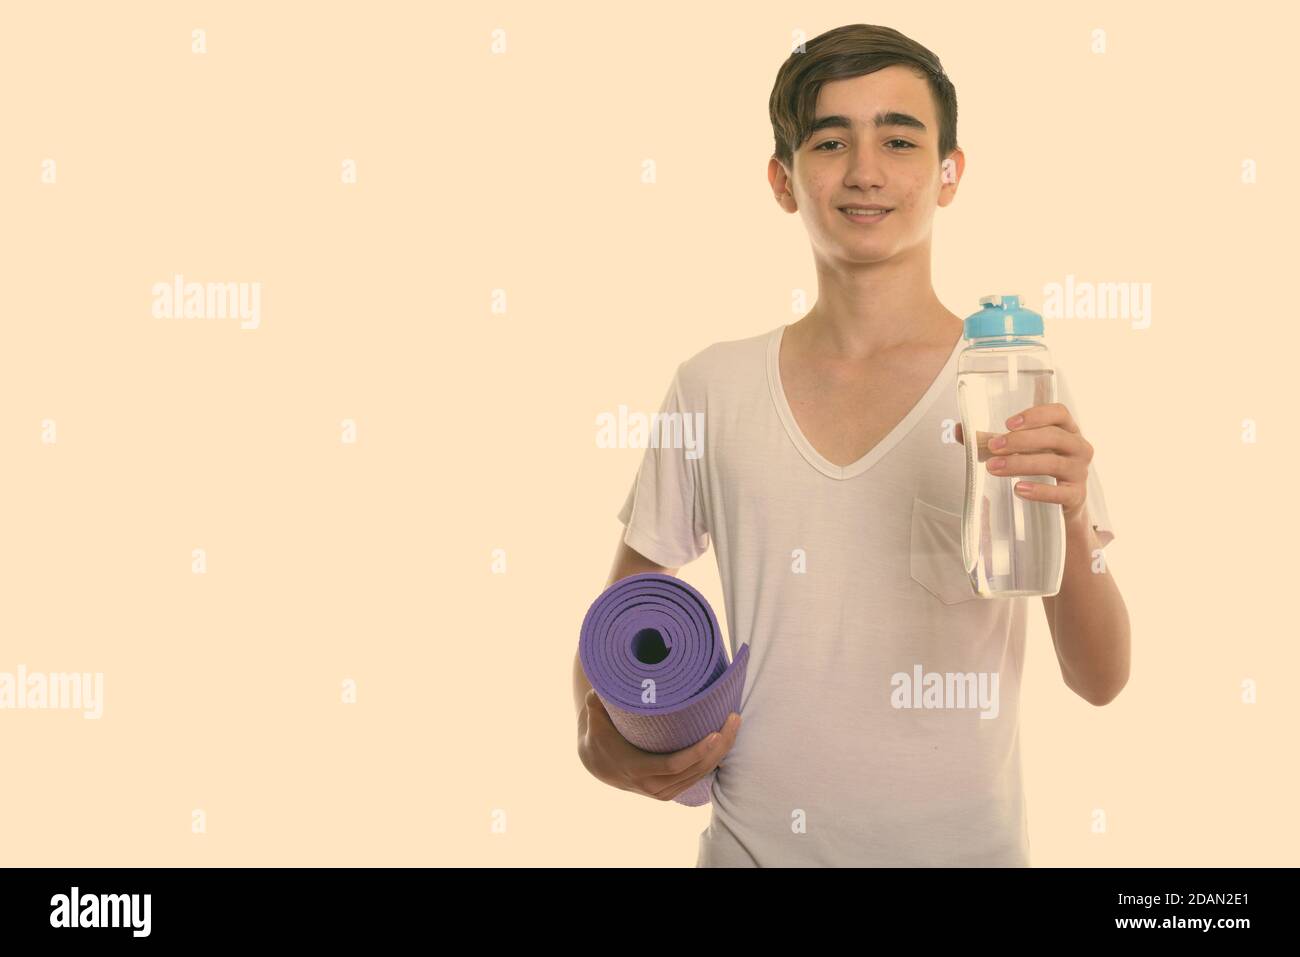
(866, 212)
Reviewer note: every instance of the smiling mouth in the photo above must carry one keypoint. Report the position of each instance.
(872, 216)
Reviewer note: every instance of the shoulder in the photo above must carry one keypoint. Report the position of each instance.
(724, 361)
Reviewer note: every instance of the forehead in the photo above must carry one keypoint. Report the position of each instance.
(895, 87)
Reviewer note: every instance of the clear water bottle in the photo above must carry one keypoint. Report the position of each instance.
(1011, 546)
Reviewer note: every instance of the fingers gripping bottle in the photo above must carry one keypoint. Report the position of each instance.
(1011, 546)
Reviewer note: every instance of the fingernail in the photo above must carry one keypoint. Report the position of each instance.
(997, 463)
(1013, 422)
(997, 441)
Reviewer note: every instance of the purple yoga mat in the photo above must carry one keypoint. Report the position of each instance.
(691, 690)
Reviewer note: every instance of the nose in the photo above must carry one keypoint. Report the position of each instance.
(865, 170)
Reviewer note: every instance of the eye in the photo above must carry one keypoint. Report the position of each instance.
(822, 146)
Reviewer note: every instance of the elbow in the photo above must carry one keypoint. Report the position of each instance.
(1104, 685)
(1101, 697)
(1098, 701)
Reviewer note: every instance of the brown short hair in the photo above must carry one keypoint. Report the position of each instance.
(846, 51)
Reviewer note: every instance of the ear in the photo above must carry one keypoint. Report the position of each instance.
(950, 171)
(782, 185)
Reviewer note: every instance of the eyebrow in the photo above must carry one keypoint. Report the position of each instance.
(883, 118)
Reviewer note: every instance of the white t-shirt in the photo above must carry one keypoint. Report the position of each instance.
(848, 585)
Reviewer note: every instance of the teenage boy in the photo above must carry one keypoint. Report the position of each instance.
(831, 486)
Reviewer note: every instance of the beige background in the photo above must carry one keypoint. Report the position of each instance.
(521, 171)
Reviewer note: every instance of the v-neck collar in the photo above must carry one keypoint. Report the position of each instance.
(881, 448)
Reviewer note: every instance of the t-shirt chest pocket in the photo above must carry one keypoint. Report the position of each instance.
(936, 559)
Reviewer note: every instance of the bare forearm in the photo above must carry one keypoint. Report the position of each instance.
(1091, 626)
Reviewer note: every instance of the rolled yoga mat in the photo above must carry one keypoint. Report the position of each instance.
(651, 647)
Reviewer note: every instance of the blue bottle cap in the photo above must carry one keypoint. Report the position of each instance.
(1002, 316)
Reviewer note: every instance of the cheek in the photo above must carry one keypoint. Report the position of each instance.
(911, 197)
(814, 187)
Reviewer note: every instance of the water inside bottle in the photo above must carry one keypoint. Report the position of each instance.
(1011, 546)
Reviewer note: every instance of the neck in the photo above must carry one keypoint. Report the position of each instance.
(864, 312)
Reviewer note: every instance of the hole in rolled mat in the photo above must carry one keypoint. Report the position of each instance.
(648, 646)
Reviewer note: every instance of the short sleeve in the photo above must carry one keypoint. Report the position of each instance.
(1098, 512)
(663, 510)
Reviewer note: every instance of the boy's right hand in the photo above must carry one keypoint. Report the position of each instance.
(613, 759)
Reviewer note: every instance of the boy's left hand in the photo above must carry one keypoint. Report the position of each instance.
(1045, 442)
